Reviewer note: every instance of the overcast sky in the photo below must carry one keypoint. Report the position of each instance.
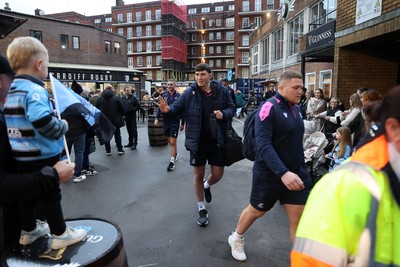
(85, 7)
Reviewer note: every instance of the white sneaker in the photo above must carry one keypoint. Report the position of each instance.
(69, 237)
(176, 156)
(237, 248)
(78, 179)
(42, 229)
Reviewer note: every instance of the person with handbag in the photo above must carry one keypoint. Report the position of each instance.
(207, 108)
(279, 171)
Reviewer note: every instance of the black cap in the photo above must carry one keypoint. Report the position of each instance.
(5, 67)
(225, 80)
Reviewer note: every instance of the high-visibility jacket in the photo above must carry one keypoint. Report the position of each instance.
(352, 216)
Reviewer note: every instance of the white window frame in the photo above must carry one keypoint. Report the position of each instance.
(138, 16)
(219, 8)
(308, 84)
(148, 15)
(139, 61)
(322, 83)
(129, 17)
(120, 17)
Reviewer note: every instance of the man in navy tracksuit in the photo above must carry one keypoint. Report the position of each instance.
(279, 171)
(207, 107)
(172, 124)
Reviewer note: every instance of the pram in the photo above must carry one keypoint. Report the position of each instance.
(314, 154)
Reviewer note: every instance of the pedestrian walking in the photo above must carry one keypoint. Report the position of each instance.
(131, 106)
(172, 124)
(279, 171)
(207, 108)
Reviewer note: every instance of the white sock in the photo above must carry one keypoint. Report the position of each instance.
(236, 236)
(172, 159)
(201, 205)
(206, 185)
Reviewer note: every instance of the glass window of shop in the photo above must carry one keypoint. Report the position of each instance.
(310, 81)
(277, 45)
(264, 52)
(325, 82)
(254, 62)
(296, 29)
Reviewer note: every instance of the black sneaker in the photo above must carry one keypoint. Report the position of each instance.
(128, 145)
(171, 166)
(133, 147)
(203, 218)
(207, 194)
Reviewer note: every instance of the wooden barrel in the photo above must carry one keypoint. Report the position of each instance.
(156, 133)
(102, 247)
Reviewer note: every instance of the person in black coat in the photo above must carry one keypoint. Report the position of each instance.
(131, 105)
(112, 107)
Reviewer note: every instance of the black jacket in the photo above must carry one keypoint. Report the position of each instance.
(131, 104)
(112, 107)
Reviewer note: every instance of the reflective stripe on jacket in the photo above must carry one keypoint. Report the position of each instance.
(351, 217)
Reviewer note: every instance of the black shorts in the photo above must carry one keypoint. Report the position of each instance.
(266, 192)
(172, 131)
(211, 153)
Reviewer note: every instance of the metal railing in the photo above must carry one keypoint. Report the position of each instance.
(322, 20)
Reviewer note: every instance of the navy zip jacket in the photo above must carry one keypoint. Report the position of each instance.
(190, 105)
(170, 120)
(279, 132)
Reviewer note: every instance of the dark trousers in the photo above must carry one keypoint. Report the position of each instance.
(118, 141)
(131, 127)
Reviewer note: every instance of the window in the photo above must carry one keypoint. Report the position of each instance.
(148, 30)
(148, 14)
(325, 82)
(245, 23)
(117, 48)
(139, 31)
(270, 4)
(194, 24)
(319, 11)
(149, 45)
(129, 32)
(120, 17)
(230, 22)
(229, 64)
(129, 17)
(158, 45)
(295, 32)
(218, 49)
(192, 11)
(218, 63)
(277, 45)
(108, 19)
(310, 81)
(245, 57)
(149, 61)
(140, 62)
(218, 35)
(139, 46)
(210, 23)
(205, 10)
(109, 29)
(264, 53)
(219, 8)
(76, 42)
(130, 62)
(229, 50)
(254, 62)
(97, 21)
(245, 73)
(107, 46)
(211, 63)
(194, 63)
(257, 5)
(231, 7)
(158, 60)
(149, 75)
(130, 47)
(245, 6)
(257, 21)
(64, 41)
(193, 51)
(245, 40)
(218, 22)
(159, 75)
(158, 29)
(36, 34)
(138, 16)
(194, 37)
(121, 31)
(158, 14)
(230, 36)
(211, 36)
(211, 50)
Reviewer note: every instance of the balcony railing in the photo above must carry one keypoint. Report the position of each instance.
(322, 20)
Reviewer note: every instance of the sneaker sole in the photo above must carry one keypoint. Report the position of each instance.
(203, 224)
(25, 243)
(70, 242)
(79, 180)
(230, 241)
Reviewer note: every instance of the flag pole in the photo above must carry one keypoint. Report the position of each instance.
(59, 116)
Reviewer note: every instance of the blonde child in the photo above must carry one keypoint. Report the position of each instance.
(35, 133)
(342, 150)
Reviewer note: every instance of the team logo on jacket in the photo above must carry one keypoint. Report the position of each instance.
(260, 205)
(285, 114)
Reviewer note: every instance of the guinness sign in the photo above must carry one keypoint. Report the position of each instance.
(321, 36)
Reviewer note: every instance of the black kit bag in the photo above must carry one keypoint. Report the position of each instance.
(233, 146)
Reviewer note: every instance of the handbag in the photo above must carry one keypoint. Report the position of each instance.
(233, 146)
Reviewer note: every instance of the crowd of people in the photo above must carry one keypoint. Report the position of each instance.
(350, 216)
